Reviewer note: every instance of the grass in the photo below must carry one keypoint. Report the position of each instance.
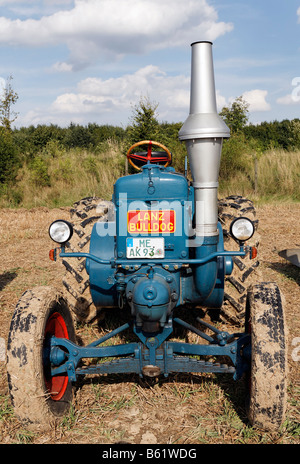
(214, 418)
(277, 178)
(59, 178)
(181, 409)
(6, 409)
(279, 174)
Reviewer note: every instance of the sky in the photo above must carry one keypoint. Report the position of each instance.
(91, 61)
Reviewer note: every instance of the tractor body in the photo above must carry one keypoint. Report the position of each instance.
(162, 248)
(156, 262)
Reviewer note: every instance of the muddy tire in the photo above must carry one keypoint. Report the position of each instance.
(39, 400)
(245, 271)
(84, 214)
(267, 379)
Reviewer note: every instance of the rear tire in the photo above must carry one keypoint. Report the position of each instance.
(267, 379)
(84, 214)
(39, 400)
(245, 270)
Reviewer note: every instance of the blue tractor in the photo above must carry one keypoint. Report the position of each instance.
(155, 251)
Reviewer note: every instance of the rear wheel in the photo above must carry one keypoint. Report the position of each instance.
(84, 214)
(245, 270)
(38, 398)
(267, 378)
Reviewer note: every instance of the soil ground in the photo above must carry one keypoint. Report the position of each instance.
(182, 409)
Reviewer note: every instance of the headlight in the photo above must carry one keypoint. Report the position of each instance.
(60, 231)
(242, 229)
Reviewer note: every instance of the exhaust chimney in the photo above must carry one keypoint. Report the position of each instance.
(203, 133)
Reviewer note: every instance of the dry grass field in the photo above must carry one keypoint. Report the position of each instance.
(182, 409)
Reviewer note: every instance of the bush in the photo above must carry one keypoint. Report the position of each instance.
(39, 172)
(9, 160)
(236, 156)
(77, 136)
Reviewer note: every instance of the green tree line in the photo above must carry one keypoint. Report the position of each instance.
(30, 140)
(34, 145)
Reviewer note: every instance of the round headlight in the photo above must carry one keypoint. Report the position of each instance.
(242, 229)
(60, 231)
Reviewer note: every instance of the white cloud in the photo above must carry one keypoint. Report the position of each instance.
(110, 101)
(288, 99)
(298, 13)
(257, 100)
(221, 101)
(62, 67)
(117, 95)
(2, 86)
(116, 27)
(292, 98)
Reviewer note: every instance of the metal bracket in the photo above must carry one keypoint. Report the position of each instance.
(153, 356)
(179, 262)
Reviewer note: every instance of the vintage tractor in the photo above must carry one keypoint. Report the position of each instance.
(155, 252)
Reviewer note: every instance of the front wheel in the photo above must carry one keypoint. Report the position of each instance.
(267, 378)
(39, 400)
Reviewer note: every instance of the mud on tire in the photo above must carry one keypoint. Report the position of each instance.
(39, 400)
(245, 271)
(84, 214)
(267, 379)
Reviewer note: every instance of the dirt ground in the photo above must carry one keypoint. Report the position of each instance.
(182, 409)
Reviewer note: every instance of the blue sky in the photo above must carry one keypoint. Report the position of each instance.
(87, 61)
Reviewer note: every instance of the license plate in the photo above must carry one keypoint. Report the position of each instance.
(152, 248)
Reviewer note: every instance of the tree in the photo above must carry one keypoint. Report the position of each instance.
(145, 125)
(235, 156)
(9, 97)
(236, 116)
(9, 162)
(77, 136)
(8, 152)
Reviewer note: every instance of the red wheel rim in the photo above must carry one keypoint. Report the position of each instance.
(56, 385)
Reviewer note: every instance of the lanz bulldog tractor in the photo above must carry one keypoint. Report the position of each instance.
(155, 252)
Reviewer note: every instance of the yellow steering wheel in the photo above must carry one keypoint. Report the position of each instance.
(147, 156)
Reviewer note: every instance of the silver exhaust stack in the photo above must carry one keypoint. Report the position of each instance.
(203, 133)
